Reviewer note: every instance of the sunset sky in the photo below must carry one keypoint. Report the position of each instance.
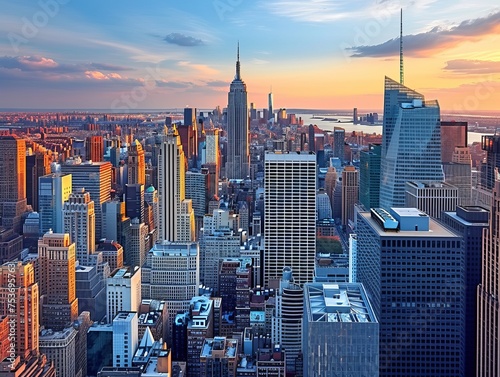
(321, 54)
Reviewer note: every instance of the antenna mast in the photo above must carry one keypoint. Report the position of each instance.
(401, 71)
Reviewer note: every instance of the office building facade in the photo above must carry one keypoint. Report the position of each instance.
(411, 145)
(289, 215)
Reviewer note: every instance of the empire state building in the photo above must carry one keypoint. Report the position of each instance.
(237, 165)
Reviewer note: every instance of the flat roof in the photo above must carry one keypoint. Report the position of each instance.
(338, 302)
(435, 229)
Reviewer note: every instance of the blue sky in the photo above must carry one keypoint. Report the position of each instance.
(315, 54)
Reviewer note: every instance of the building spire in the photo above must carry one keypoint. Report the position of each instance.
(401, 72)
(238, 76)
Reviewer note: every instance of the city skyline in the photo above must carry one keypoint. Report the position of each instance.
(60, 54)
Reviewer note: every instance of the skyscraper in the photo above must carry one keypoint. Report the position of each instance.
(350, 193)
(136, 164)
(413, 270)
(19, 300)
(289, 215)
(490, 144)
(94, 148)
(411, 146)
(340, 334)
(238, 158)
(53, 190)
(171, 273)
(488, 346)
(12, 181)
(172, 189)
(188, 133)
(95, 178)
(57, 259)
(270, 106)
(470, 222)
(369, 176)
(79, 222)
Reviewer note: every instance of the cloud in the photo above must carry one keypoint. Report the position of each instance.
(43, 64)
(217, 83)
(473, 66)
(183, 40)
(174, 84)
(202, 68)
(434, 40)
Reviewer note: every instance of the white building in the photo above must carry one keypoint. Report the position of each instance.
(290, 215)
(125, 338)
(123, 291)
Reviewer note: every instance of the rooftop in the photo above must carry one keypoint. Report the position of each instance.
(219, 346)
(435, 229)
(343, 302)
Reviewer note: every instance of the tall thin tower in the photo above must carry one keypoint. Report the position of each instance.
(176, 216)
(401, 71)
(237, 165)
(270, 104)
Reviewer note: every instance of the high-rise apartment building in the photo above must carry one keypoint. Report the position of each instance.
(172, 189)
(57, 261)
(94, 177)
(411, 145)
(289, 215)
(136, 163)
(413, 270)
(238, 157)
(350, 193)
(53, 190)
(79, 222)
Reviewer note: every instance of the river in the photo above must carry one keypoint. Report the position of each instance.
(347, 124)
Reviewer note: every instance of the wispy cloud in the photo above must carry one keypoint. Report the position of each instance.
(44, 64)
(466, 66)
(174, 84)
(183, 40)
(201, 68)
(434, 40)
